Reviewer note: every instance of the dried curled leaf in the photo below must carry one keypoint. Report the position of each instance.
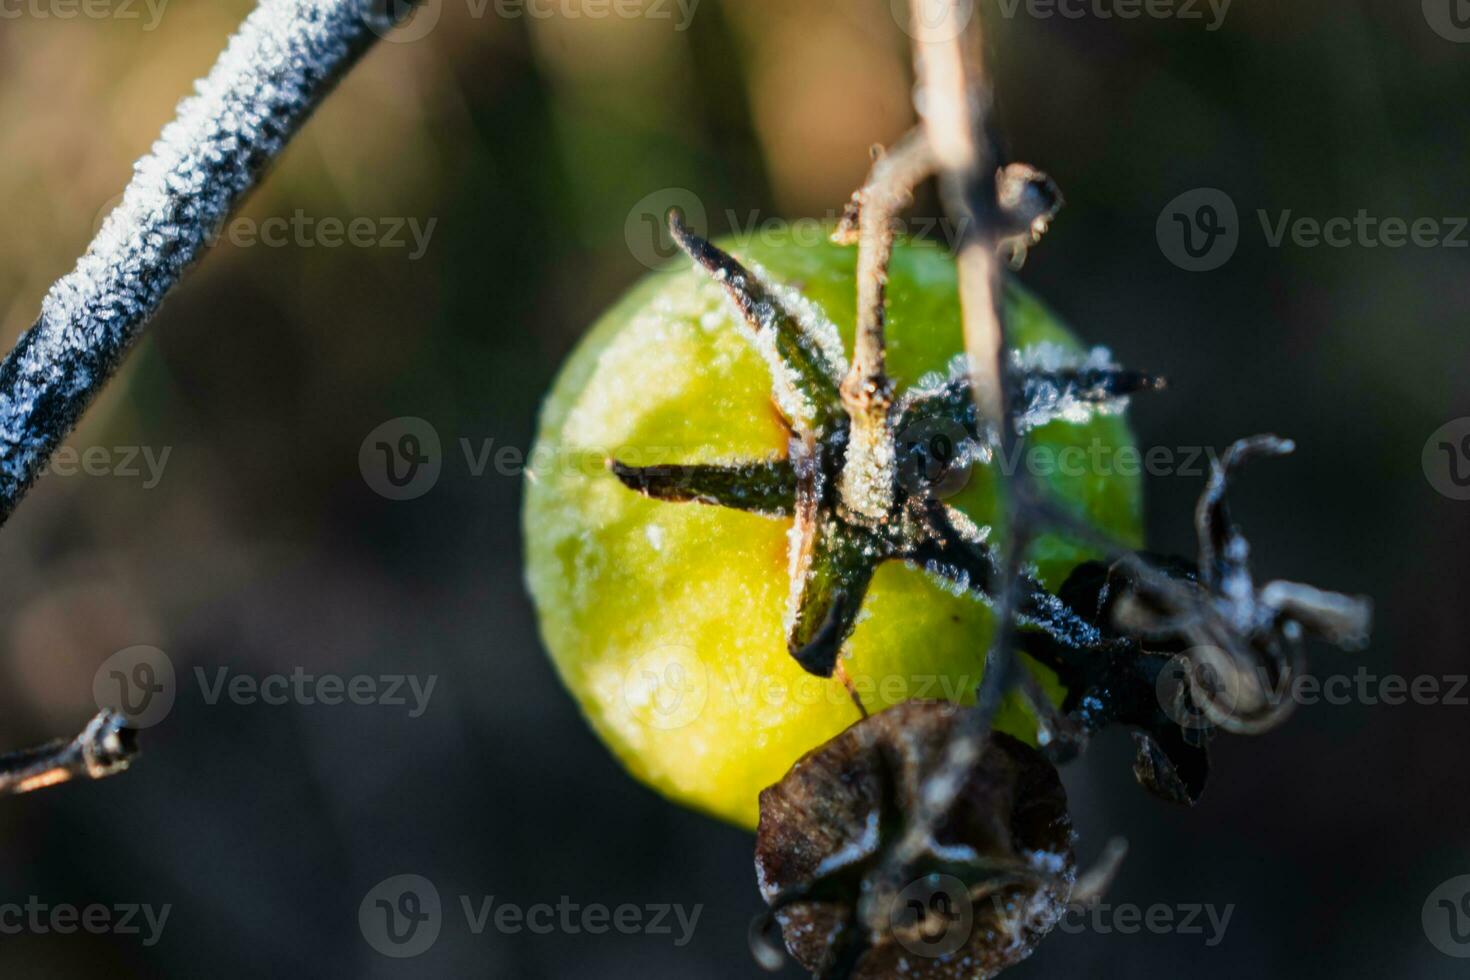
(992, 883)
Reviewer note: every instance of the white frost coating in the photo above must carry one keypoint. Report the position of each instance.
(799, 566)
(870, 471)
(853, 852)
(1047, 862)
(955, 581)
(1047, 356)
(275, 69)
(1048, 401)
(655, 535)
(813, 323)
(969, 530)
(1041, 399)
(811, 318)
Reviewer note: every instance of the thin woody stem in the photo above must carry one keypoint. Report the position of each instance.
(966, 746)
(953, 105)
(104, 748)
(874, 209)
(867, 392)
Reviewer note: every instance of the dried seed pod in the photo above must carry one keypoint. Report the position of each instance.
(993, 882)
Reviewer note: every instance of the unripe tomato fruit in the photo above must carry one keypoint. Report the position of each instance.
(665, 620)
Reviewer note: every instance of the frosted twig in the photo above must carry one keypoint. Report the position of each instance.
(867, 393)
(285, 57)
(104, 748)
(869, 222)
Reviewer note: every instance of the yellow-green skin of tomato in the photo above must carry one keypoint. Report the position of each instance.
(665, 620)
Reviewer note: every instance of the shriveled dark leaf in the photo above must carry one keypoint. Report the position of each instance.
(1176, 774)
(979, 900)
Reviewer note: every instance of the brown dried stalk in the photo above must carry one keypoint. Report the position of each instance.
(867, 393)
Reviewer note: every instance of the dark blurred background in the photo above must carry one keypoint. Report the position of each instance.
(534, 145)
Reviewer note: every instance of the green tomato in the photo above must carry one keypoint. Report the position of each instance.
(665, 620)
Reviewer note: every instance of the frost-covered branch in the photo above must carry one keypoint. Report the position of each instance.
(104, 748)
(285, 57)
(867, 393)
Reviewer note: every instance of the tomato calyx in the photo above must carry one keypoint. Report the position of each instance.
(1172, 649)
(845, 526)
